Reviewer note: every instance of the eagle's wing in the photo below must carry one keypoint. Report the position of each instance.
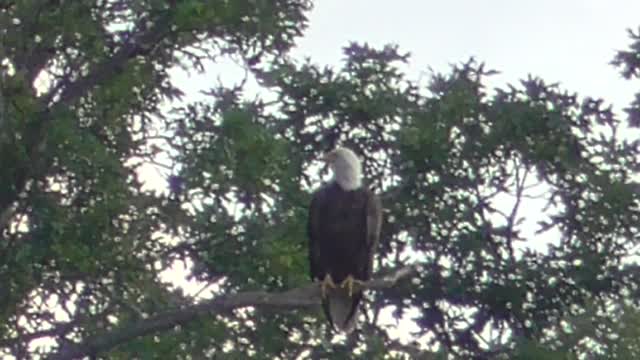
(313, 232)
(374, 224)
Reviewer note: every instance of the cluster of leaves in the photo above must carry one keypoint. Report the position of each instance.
(82, 84)
(84, 243)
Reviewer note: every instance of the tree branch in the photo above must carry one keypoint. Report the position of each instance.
(302, 297)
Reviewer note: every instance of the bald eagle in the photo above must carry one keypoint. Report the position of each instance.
(344, 227)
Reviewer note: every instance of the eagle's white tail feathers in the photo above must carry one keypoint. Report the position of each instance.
(340, 304)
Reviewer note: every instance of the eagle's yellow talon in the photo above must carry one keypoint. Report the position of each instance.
(327, 282)
(349, 281)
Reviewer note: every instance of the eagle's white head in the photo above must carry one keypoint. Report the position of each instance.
(346, 168)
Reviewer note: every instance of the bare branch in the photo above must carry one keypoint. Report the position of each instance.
(302, 297)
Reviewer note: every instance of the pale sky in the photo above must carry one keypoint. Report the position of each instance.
(566, 41)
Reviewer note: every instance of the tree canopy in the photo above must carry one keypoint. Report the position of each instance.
(518, 206)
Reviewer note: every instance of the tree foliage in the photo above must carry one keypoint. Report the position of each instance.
(519, 204)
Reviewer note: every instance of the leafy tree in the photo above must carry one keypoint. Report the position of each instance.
(85, 240)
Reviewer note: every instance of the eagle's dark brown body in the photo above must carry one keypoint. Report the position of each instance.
(344, 227)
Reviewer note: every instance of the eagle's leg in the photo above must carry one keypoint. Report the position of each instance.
(349, 281)
(326, 283)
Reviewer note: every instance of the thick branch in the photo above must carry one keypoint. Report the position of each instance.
(302, 297)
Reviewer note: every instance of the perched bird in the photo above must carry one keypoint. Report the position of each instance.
(344, 228)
